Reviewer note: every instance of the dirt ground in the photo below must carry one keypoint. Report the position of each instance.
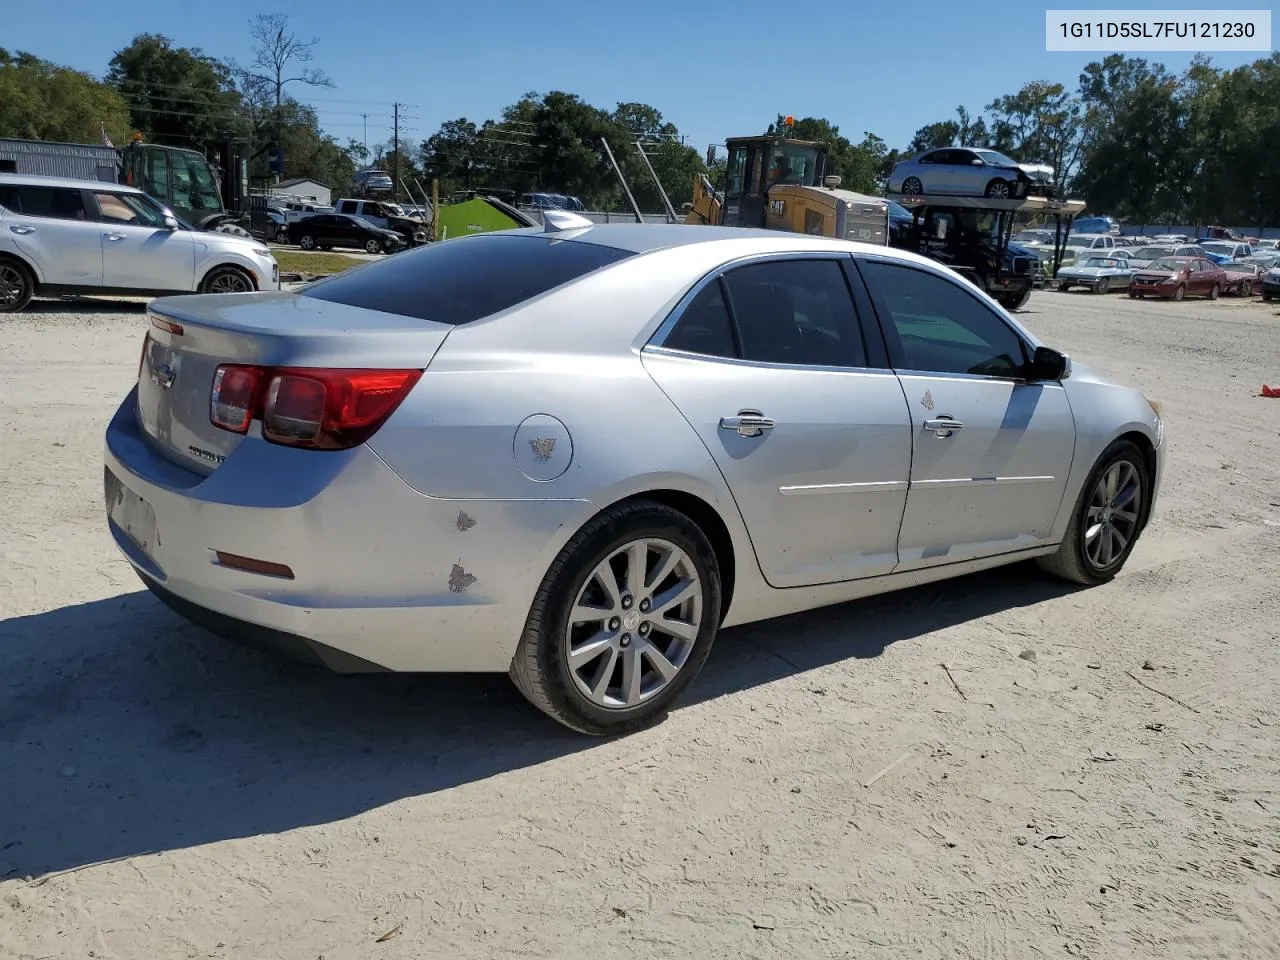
(1101, 780)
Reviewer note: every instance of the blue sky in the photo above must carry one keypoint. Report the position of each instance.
(715, 70)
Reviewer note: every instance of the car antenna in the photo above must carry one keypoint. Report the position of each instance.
(555, 221)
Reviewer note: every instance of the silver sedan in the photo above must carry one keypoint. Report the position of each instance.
(574, 453)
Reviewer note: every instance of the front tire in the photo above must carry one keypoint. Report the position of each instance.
(17, 286)
(1179, 293)
(912, 187)
(372, 246)
(227, 280)
(1108, 519)
(307, 242)
(997, 189)
(623, 621)
(1103, 286)
(1015, 301)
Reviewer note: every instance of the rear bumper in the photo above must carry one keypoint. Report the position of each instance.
(383, 576)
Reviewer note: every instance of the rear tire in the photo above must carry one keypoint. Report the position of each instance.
(1247, 289)
(17, 286)
(1104, 510)
(576, 691)
(1214, 291)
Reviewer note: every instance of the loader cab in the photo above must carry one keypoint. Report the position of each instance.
(758, 163)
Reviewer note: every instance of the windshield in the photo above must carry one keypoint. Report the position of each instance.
(1217, 246)
(1034, 236)
(1240, 267)
(1173, 266)
(193, 185)
(1152, 253)
(899, 210)
(794, 164)
(365, 223)
(1102, 262)
(992, 156)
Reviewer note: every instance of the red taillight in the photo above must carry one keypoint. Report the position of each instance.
(234, 401)
(319, 409)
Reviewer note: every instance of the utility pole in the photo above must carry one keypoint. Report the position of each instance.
(395, 156)
(365, 118)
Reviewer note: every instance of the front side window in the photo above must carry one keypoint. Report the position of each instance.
(128, 208)
(940, 327)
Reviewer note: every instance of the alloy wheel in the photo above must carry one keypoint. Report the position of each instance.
(912, 186)
(13, 285)
(229, 282)
(998, 190)
(634, 623)
(1112, 518)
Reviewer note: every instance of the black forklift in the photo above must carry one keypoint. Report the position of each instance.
(972, 236)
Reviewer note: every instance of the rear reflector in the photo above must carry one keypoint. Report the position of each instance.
(250, 565)
(316, 408)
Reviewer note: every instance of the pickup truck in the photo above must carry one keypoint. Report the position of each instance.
(389, 216)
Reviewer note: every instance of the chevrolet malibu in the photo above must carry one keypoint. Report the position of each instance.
(574, 453)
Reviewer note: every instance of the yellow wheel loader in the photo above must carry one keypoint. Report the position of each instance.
(779, 183)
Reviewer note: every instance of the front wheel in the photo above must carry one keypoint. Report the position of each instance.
(623, 621)
(1179, 293)
(1015, 301)
(1134, 295)
(998, 189)
(1102, 286)
(1063, 286)
(912, 186)
(372, 246)
(226, 280)
(307, 242)
(16, 286)
(1107, 521)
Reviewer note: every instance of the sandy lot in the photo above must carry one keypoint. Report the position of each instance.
(827, 792)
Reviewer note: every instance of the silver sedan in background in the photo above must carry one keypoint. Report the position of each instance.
(574, 453)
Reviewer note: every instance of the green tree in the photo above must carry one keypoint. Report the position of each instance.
(40, 100)
(176, 95)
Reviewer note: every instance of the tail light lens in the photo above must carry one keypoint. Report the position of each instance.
(319, 409)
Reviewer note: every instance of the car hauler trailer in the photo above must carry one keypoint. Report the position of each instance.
(971, 235)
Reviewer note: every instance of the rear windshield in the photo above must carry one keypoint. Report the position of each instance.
(457, 281)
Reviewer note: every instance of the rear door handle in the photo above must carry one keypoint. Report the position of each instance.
(115, 236)
(22, 230)
(943, 426)
(748, 423)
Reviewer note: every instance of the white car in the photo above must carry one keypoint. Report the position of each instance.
(86, 237)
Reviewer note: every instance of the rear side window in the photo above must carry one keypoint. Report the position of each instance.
(458, 281)
(59, 202)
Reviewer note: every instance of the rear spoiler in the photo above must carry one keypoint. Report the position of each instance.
(519, 216)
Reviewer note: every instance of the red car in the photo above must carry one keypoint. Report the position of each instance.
(1173, 278)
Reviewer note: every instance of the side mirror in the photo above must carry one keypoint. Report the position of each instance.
(1048, 364)
(171, 223)
(977, 162)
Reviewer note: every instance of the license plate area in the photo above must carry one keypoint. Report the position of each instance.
(131, 513)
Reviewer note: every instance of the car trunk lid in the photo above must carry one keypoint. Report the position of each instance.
(189, 337)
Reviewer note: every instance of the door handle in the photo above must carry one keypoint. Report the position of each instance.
(115, 236)
(748, 423)
(23, 230)
(943, 426)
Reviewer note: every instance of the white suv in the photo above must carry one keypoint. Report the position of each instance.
(60, 236)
